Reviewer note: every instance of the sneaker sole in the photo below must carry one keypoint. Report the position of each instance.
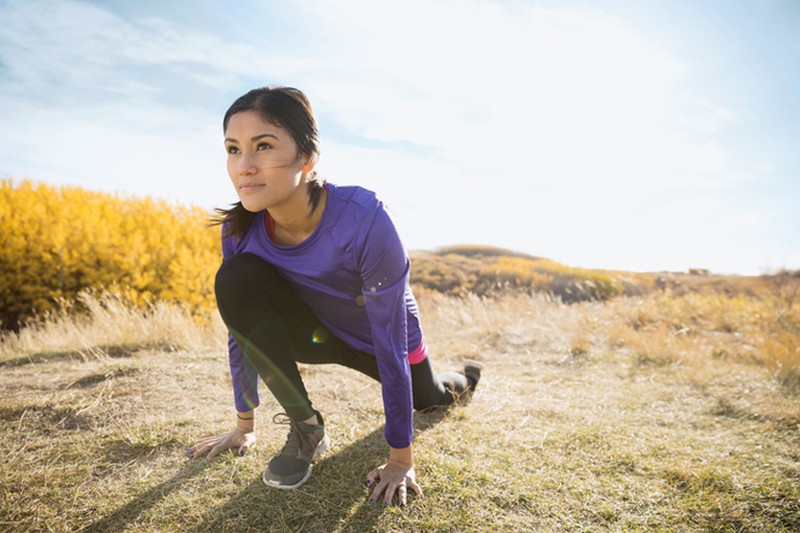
(322, 447)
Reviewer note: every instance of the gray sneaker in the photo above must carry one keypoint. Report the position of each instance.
(472, 370)
(292, 466)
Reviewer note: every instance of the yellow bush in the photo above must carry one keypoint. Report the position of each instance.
(55, 242)
(544, 275)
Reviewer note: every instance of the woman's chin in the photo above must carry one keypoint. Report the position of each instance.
(253, 207)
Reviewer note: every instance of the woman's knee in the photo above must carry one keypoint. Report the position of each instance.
(237, 277)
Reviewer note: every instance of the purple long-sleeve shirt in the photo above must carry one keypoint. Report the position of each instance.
(353, 272)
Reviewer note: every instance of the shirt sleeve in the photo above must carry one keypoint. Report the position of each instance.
(243, 375)
(384, 268)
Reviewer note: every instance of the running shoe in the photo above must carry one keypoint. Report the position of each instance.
(292, 466)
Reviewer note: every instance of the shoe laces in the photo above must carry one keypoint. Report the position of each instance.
(302, 439)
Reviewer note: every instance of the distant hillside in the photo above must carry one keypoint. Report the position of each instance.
(487, 270)
(481, 250)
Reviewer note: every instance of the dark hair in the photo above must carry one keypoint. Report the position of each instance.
(288, 108)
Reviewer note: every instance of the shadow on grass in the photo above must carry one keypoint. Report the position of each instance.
(128, 513)
(114, 351)
(335, 497)
(55, 417)
(121, 451)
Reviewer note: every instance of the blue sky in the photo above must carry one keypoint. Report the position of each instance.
(646, 136)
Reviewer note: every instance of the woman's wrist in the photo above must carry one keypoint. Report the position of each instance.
(246, 420)
(402, 457)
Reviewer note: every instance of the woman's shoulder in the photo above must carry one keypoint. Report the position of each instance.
(354, 203)
(355, 196)
(356, 211)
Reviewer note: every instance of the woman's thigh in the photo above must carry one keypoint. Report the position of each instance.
(315, 344)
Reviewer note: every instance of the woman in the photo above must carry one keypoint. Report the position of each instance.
(315, 273)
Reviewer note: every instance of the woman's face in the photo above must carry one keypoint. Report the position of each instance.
(263, 163)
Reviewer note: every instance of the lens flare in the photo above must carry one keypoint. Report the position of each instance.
(320, 335)
(251, 402)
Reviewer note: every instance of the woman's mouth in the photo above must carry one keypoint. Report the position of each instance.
(250, 187)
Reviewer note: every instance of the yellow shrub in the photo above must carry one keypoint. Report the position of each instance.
(544, 275)
(55, 242)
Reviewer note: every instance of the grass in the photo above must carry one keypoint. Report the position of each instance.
(661, 412)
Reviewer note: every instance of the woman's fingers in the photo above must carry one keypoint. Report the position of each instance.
(215, 451)
(411, 482)
(384, 488)
(373, 476)
(388, 489)
(204, 445)
(374, 479)
(388, 496)
(401, 495)
(207, 440)
(201, 446)
(200, 451)
(194, 451)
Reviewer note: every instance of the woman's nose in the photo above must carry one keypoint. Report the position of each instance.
(246, 165)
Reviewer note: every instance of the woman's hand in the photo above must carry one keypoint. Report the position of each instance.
(239, 439)
(392, 478)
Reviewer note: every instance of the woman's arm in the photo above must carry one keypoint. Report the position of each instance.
(384, 267)
(245, 393)
(244, 377)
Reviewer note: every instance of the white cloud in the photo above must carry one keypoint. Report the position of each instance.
(75, 45)
(707, 117)
(549, 94)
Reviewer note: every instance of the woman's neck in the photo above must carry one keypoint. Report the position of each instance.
(294, 225)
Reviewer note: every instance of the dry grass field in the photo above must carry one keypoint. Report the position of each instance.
(674, 410)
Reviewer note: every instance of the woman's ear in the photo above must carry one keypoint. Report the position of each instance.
(309, 164)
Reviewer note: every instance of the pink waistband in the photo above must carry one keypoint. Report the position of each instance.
(418, 355)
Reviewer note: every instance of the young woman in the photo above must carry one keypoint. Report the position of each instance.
(315, 273)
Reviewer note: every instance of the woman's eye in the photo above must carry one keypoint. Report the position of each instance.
(232, 150)
(263, 146)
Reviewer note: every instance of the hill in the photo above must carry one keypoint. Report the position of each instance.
(486, 270)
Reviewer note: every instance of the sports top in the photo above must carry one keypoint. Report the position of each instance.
(353, 272)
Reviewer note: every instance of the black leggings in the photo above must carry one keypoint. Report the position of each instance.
(276, 330)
